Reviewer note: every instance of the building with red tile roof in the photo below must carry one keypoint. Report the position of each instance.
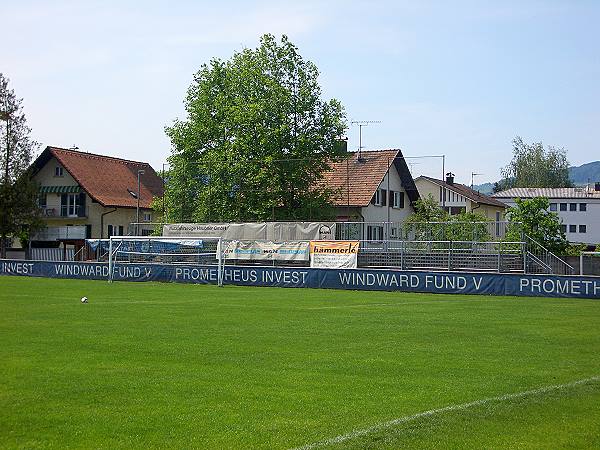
(373, 187)
(85, 195)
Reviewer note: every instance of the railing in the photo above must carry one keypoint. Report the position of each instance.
(65, 211)
(541, 260)
(60, 233)
(421, 231)
(443, 255)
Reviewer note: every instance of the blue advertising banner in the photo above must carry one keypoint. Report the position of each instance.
(356, 279)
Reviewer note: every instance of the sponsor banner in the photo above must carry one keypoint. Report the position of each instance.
(266, 250)
(355, 279)
(272, 231)
(334, 254)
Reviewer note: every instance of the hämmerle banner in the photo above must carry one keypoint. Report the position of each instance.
(334, 254)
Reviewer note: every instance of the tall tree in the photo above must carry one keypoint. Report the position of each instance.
(533, 165)
(256, 139)
(18, 193)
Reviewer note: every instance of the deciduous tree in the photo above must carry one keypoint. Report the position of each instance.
(256, 139)
(533, 165)
(18, 193)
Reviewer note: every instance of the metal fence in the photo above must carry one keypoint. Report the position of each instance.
(427, 231)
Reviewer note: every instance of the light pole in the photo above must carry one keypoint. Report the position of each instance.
(137, 221)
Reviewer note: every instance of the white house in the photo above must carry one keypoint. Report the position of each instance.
(578, 209)
(374, 187)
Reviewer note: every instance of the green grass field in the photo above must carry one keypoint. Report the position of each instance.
(148, 365)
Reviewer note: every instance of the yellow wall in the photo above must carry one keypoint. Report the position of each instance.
(121, 217)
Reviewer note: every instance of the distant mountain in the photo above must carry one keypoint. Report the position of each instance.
(485, 188)
(579, 175)
(585, 173)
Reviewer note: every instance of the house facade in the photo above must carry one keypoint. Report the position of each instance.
(456, 198)
(578, 209)
(375, 188)
(84, 195)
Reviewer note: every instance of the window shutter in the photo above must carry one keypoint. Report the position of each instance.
(373, 199)
(401, 200)
(391, 198)
(110, 230)
(81, 205)
(369, 232)
(383, 197)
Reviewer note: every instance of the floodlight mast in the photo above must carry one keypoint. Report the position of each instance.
(362, 123)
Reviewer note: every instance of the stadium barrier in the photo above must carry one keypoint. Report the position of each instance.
(354, 279)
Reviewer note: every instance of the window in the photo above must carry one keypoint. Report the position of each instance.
(563, 228)
(69, 205)
(583, 207)
(374, 233)
(376, 200)
(582, 228)
(110, 230)
(120, 230)
(572, 228)
(563, 206)
(441, 189)
(394, 232)
(398, 200)
(147, 217)
(43, 201)
(454, 210)
(498, 217)
(553, 207)
(572, 206)
(379, 197)
(58, 171)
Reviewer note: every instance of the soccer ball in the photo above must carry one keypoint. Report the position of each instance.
(84, 299)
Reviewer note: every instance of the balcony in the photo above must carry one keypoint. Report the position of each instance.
(64, 211)
(60, 233)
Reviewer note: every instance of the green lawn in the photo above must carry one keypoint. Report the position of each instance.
(149, 365)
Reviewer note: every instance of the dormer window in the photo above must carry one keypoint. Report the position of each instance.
(58, 171)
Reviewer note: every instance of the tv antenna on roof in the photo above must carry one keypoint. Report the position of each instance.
(362, 123)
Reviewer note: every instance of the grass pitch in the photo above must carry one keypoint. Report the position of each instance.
(182, 366)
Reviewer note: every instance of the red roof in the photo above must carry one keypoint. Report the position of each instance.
(110, 181)
(360, 177)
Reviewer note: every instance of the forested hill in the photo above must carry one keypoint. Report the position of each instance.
(579, 175)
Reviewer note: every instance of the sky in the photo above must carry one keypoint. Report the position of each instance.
(459, 79)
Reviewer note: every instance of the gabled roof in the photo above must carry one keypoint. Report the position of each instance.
(576, 192)
(467, 192)
(107, 180)
(356, 180)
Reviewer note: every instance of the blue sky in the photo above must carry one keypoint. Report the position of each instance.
(458, 78)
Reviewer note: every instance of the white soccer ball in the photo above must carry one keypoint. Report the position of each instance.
(84, 299)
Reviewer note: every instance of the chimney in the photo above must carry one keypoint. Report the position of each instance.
(450, 178)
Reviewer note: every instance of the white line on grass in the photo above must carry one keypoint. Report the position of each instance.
(382, 426)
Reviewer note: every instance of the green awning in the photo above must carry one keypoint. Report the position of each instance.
(60, 189)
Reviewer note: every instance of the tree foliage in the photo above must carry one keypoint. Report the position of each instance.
(430, 222)
(534, 166)
(532, 217)
(18, 193)
(256, 139)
